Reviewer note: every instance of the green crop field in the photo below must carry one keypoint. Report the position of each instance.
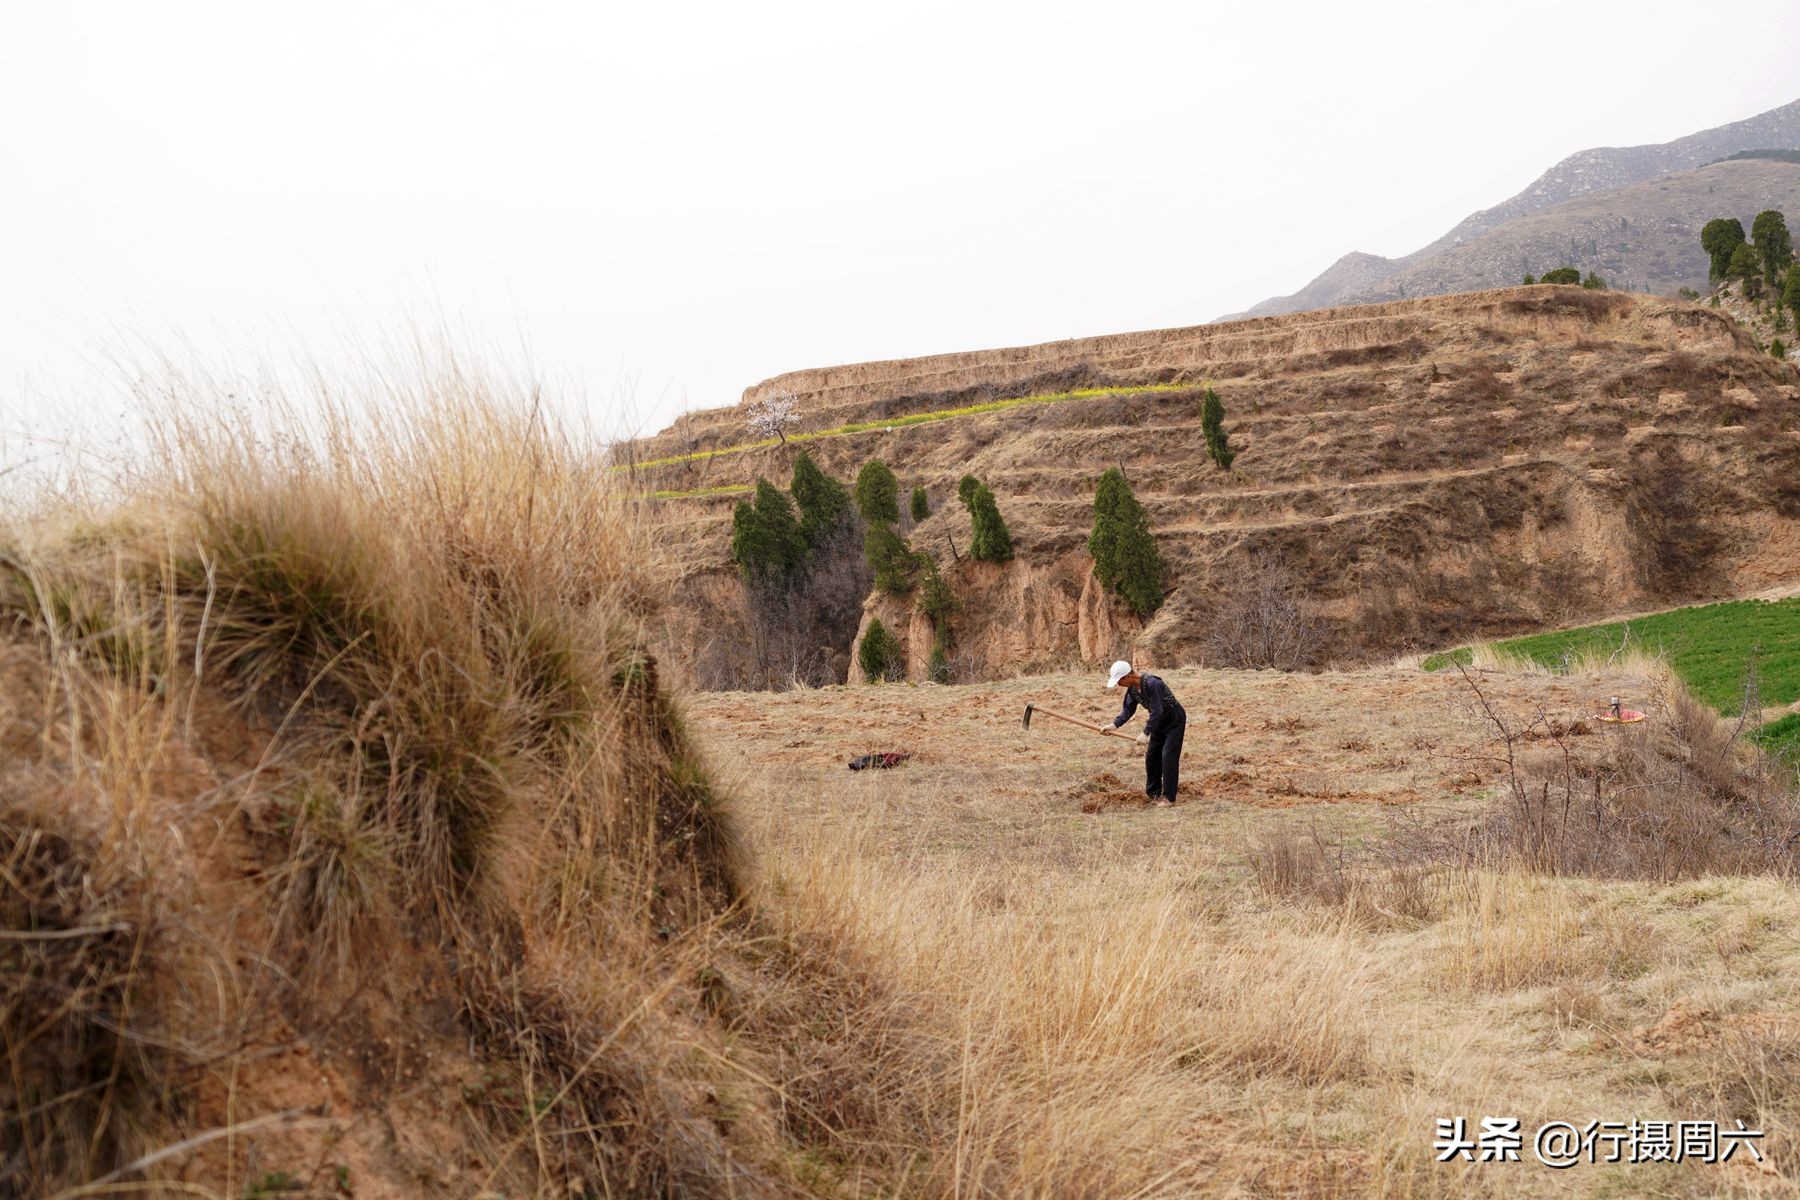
(1709, 646)
(1781, 737)
(942, 414)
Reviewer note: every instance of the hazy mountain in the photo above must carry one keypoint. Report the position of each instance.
(1642, 238)
(1581, 174)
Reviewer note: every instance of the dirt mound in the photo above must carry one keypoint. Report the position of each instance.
(1421, 472)
(1689, 1026)
(351, 845)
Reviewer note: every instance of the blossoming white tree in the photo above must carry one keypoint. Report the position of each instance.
(774, 415)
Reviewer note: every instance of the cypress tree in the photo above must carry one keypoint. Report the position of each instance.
(765, 538)
(965, 490)
(921, 504)
(1774, 244)
(879, 654)
(1744, 263)
(1212, 424)
(991, 540)
(936, 600)
(877, 493)
(891, 558)
(823, 501)
(940, 606)
(1791, 295)
(1126, 560)
(1720, 238)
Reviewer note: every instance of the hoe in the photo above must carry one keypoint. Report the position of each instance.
(1032, 710)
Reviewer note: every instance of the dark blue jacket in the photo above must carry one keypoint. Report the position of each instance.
(1156, 696)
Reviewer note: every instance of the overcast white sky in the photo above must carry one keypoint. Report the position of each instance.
(667, 202)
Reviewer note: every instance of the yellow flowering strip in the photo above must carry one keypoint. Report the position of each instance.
(733, 489)
(942, 414)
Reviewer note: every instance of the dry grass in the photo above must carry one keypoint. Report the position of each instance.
(348, 834)
(338, 793)
(1234, 999)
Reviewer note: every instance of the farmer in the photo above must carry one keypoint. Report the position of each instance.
(1163, 731)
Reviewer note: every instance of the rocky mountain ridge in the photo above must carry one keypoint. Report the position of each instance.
(1356, 277)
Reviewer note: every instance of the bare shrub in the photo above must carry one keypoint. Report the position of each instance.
(1673, 797)
(1261, 620)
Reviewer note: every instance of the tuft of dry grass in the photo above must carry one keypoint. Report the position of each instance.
(332, 759)
(89, 1059)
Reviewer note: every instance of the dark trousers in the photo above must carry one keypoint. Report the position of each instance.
(1162, 758)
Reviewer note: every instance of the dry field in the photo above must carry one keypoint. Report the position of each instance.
(1278, 986)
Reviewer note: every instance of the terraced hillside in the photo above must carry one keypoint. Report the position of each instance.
(1426, 471)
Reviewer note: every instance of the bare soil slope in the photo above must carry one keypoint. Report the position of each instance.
(1431, 471)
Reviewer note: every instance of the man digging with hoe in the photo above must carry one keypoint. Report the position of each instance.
(1162, 732)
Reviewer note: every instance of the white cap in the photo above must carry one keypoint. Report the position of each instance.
(1119, 671)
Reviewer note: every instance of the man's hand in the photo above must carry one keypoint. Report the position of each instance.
(1108, 729)
(1143, 739)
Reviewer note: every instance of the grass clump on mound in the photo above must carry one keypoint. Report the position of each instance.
(338, 792)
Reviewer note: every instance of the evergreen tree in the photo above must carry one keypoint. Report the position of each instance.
(939, 606)
(1126, 560)
(1720, 238)
(877, 493)
(965, 489)
(921, 504)
(991, 540)
(1593, 282)
(936, 601)
(1773, 243)
(1744, 262)
(1561, 275)
(1530, 279)
(892, 560)
(766, 541)
(879, 655)
(823, 501)
(1791, 294)
(1212, 424)
(1778, 349)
